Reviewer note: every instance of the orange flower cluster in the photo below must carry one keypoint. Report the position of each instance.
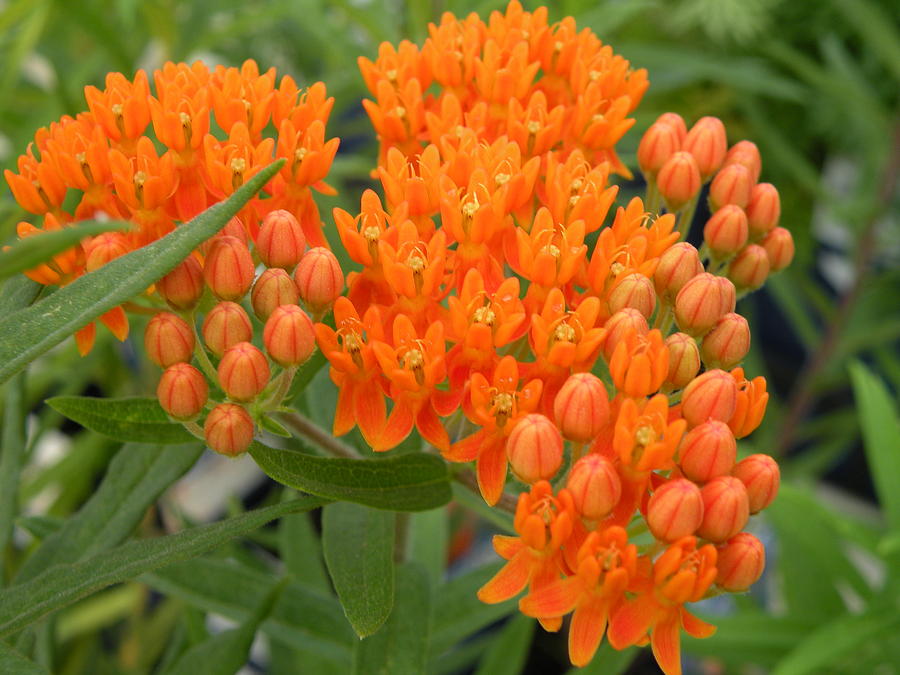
(154, 160)
(496, 311)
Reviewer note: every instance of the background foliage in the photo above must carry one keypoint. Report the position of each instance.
(815, 85)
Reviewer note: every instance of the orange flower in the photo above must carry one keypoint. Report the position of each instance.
(639, 364)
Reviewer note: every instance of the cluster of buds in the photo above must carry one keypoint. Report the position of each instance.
(223, 346)
(212, 128)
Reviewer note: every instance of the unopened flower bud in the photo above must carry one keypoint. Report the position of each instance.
(729, 294)
(675, 510)
(726, 509)
(657, 145)
(289, 337)
(779, 246)
(581, 407)
(707, 451)
(182, 391)
(229, 269)
(761, 476)
(243, 372)
(706, 141)
(700, 303)
(595, 486)
(675, 121)
(319, 279)
(747, 154)
(725, 233)
(684, 360)
(233, 228)
(182, 288)
(731, 185)
(168, 339)
(273, 289)
(740, 562)
(711, 396)
(635, 291)
(763, 210)
(750, 268)
(226, 325)
(679, 180)
(727, 343)
(280, 242)
(103, 248)
(677, 265)
(619, 325)
(228, 429)
(535, 449)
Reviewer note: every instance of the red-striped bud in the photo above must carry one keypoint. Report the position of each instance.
(706, 141)
(243, 372)
(168, 339)
(229, 269)
(762, 477)
(675, 510)
(595, 486)
(708, 451)
(182, 288)
(233, 228)
(726, 509)
(581, 407)
(677, 265)
(684, 360)
(779, 246)
(319, 279)
(634, 291)
(746, 154)
(725, 233)
(182, 391)
(657, 145)
(679, 180)
(675, 121)
(619, 325)
(727, 343)
(273, 289)
(711, 396)
(763, 210)
(700, 303)
(226, 325)
(289, 337)
(228, 429)
(732, 185)
(535, 449)
(740, 562)
(750, 268)
(103, 248)
(280, 242)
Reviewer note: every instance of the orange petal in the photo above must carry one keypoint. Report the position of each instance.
(491, 470)
(117, 323)
(370, 409)
(695, 626)
(509, 581)
(399, 425)
(432, 430)
(554, 599)
(84, 338)
(465, 450)
(632, 620)
(666, 643)
(586, 631)
(344, 419)
(506, 546)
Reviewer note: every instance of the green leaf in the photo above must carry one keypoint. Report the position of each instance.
(140, 420)
(841, 638)
(60, 586)
(608, 661)
(751, 637)
(400, 646)
(228, 651)
(429, 532)
(509, 651)
(40, 527)
(31, 251)
(476, 503)
(414, 482)
(359, 551)
(273, 427)
(303, 618)
(18, 293)
(136, 477)
(301, 551)
(881, 433)
(12, 452)
(30, 332)
(13, 663)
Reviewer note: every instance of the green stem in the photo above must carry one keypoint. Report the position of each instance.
(195, 429)
(282, 386)
(686, 217)
(308, 429)
(653, 198)
(200, 352)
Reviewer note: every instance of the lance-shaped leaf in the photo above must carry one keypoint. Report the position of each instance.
(414, 482)
(28, 333)
(138, 420)
(13, 663)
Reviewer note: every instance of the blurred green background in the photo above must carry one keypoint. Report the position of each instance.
(815, 84)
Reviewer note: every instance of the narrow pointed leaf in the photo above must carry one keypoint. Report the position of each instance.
(28, 333)
(60, 586)
(359, 551)
(12, 451)
(13, 663)
(509, 651)
(414, 482)
(34, 250)
(139, 420)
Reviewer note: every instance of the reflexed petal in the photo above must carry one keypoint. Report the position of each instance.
(491, 469)
(666, 643)
(465, 450)
(506, 546)
(509, 581)
(117, 322)
(695, 626)
(632, 620)
(344, 419)
(399, 425)
(432, 430)
(586, 631)
(555, 599)
(84, 338)
(370, 409)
